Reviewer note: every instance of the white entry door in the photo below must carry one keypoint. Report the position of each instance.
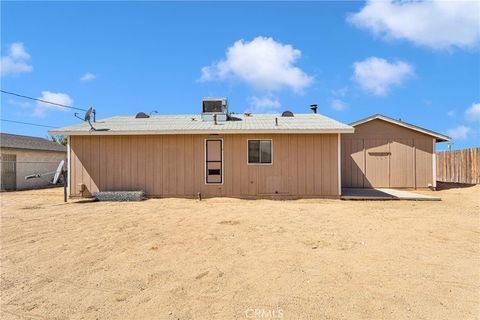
(214, 161)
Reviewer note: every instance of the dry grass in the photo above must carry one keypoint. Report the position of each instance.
(234, 259)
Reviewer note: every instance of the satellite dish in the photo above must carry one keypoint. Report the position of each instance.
(87, 118)
(287, 114)
(141, 115)
(88, 113)
(58, 172)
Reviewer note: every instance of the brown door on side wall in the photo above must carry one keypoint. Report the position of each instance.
(402, 164)
(377, 163)
(213, 161)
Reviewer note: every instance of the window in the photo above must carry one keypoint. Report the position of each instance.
(259, 151)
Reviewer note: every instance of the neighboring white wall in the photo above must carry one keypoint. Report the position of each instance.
(31, 162)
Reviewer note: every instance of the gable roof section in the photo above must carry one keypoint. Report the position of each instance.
(439, 137)
(14, 141)
(193, 124)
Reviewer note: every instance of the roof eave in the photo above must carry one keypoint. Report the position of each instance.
(156, 132)
(32, 149)
(446, 139)
(438, 137)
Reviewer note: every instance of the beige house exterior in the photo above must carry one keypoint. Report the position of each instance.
(247, 156)
(303, 166)
(24, 155)
(184, 156)
(388, 153)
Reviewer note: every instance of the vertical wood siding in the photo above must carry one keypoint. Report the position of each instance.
(174, 166)
(402, 163)
(381, 154)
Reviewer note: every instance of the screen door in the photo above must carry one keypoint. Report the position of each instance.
(213, 161)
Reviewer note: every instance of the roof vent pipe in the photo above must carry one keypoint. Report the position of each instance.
(214, 118)
(276, 121)
(313, 107)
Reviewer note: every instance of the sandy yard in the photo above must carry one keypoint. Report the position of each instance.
(240, 259)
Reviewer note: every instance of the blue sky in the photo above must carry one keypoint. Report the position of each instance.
(353, 59)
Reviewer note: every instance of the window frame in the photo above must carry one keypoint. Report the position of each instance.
(260, 163)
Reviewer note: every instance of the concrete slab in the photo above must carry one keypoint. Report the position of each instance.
(384, 194)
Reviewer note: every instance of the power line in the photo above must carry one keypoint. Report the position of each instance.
(28, 123)
(40, 100)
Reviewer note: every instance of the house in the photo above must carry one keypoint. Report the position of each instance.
(214, 153)
(389, 153)
(25, 155)
(217, 153)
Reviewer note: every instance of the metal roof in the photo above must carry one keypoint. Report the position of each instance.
(438, 136)
(14, 141)
(193, 124)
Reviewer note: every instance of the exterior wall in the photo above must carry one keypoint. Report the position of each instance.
(174, 166)
(33, 161)
(382, 154)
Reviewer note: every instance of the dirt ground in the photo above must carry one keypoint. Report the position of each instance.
(240, 259)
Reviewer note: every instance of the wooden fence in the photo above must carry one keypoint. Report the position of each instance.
(460, 166)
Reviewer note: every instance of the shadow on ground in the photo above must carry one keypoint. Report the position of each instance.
(452, 185)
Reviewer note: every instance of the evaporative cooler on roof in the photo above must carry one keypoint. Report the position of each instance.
(214, 106)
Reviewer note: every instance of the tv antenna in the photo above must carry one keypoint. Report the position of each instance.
(60, 172)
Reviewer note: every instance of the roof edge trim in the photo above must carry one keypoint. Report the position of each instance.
(171, 132)
(440, 137)
(33, 149)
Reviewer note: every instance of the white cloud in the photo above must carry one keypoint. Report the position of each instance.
(10, 66)
(459, 133)
(266, 104)
(437, 24)
(342, 92)
(262, 63)
(208, 73)
(16, 60)
(338, 105)
(88, 77)
(451, 113)
(473, 113)
(18, 52)
(377, 75)
(61, 98)
(22, 105)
